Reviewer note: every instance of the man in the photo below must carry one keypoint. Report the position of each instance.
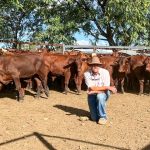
(97, 80)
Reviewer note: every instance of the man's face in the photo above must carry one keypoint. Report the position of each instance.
(95, 68)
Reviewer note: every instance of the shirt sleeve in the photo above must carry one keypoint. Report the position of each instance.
(88, 81)
(106, 78)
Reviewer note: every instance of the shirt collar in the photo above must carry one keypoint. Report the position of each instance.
(91, 73)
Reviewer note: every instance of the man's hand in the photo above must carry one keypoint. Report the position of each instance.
(92, 92)
(113, 89)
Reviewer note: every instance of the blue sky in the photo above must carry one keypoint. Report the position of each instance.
(85, 40)
(82, 40)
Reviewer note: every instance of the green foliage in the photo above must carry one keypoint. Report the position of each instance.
(130, 22)
(57, 27)
(19, 19)
(120, 22)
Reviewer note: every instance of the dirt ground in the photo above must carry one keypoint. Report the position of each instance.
(54, 123)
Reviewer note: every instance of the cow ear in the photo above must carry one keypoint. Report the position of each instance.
(70, 61)
(129, 69)
(128, 58)
(115, 63)
(146, 61)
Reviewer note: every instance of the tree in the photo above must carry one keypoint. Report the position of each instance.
(57, 28)
(120, 22)
(19, 20)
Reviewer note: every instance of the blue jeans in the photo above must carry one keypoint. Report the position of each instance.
(97, 105)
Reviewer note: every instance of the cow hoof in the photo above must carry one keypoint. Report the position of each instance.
(36, 97)
(64, 92)
(141, 94)
(47, 94)
(21, 100)
(79, 93)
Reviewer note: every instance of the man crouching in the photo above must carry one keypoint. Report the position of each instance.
(97, 80)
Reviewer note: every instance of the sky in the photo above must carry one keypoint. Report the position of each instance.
(85, 40)
(82, 40)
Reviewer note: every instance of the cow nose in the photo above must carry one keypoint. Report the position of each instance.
(120, 70)
(147, 68)
(79, 70)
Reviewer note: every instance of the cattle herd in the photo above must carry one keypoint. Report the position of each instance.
(128, 73)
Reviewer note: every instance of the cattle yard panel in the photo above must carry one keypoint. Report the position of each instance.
(84, 48)
(100, 49)
(53, 46)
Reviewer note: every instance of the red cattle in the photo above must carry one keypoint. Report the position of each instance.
(57, 64)
(108, 63)
(14, 67)
(147, 63)
(123, 71)
(135, 65)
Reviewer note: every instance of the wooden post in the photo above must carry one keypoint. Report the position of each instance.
(63, 47)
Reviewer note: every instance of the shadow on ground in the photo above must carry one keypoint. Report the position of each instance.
(73, 110)
(41, 138)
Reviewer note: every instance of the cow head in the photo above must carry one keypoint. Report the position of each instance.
(124, 65)
(115, 62)
(147, 63)
(80, 58)
(76, 60)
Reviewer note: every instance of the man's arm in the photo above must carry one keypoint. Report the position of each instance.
(106, 86)
(96, 89)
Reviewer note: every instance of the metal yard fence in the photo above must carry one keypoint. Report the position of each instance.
(85, 48)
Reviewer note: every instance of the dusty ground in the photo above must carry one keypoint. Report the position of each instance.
(54, 123)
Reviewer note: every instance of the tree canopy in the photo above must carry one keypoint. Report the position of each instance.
(120, 22)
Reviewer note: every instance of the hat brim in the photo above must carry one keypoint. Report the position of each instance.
(90, 64)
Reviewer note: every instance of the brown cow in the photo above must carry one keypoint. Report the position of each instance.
(134, 65)
(108, 63)
(21, 66)
(147, 75)
(147, 63)
(123, 71)
(58, 64)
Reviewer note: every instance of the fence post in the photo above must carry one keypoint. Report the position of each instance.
(63, 46)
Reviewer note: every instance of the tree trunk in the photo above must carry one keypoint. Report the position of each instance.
(14, 46)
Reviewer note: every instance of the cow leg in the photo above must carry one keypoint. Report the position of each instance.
(78, 81)
(1, 86)
(29, 84)
(141, 82)
(117, 83)
(67, 78)
(43, 78)
(122, 85)
(111, 81)
(46, 89)
(39, 87)
(19, 89)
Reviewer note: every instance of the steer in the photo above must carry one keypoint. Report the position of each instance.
(14, 67)
(135, 65)
(108, 63)
(57, 64)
